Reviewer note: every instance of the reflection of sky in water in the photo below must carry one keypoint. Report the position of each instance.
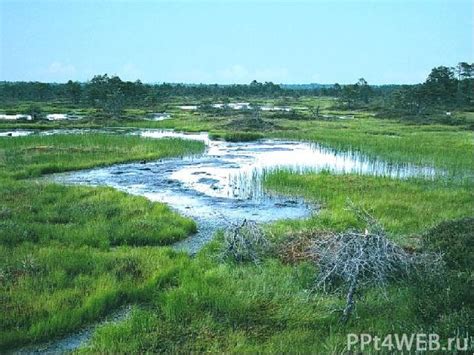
(15, 133)
(234, 170)
(50, 132)
(224, 184)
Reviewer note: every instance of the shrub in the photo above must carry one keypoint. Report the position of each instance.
(455, 239)
(445, 301)
(245, 242)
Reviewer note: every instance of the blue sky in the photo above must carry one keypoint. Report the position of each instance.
(384, 41)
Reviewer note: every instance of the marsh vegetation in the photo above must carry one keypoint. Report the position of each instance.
(71, 254)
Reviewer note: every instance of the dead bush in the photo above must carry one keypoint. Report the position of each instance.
(351, 260)
(245, 242)
(296, 247)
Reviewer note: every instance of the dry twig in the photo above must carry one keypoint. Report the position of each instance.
(245, 242)
(351, 260)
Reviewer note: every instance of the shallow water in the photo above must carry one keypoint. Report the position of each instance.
(219, 187)
(15, 117)
(49, 132)
(63, 116)
(75, 340)
(275, 108)
(204, 187)
(159, 116)
(15, 133)
(234, 105)
(223, 185)
(49, 117)
(188, 107)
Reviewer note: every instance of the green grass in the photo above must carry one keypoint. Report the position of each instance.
(237, 136)
(81, 216)
(48, 291)
(45, 125)
(188, 122)
(441, 146)
(404, 207)
(32, 156)
(72, 254)
(217, 307)
(272, 307)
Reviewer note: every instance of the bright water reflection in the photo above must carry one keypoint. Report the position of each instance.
(224, 183)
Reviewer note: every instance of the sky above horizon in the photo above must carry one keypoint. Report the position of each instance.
(319, 41)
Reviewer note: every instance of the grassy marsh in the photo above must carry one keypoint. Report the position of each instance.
(439, 145)
(237, 136)
(404, 207)
(74, 253)
(271, 307)
(32, 156)
(71, 254)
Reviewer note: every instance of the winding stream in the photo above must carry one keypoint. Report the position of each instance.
(221, 186)
(224, 185)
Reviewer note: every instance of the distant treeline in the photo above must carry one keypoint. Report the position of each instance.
(445, 88)
(138, 93)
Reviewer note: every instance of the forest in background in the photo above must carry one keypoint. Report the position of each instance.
(445, 89)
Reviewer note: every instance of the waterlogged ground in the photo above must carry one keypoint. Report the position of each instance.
(15, 133)
(76, 340)
(223, 186)
(28, 132)
(215, 189)
(219, 187)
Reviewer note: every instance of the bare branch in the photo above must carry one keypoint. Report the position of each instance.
(351, 260)
(245, 242)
